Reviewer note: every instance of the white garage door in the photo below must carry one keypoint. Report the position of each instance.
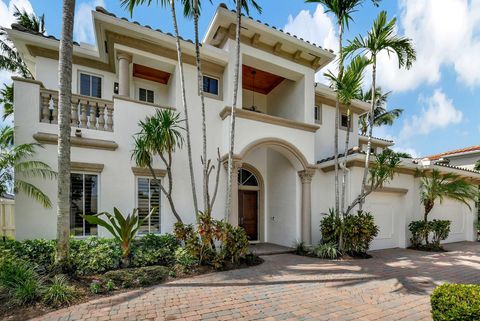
(386, 208)
(454, 212)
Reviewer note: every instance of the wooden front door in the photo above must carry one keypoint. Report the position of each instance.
(248, 213)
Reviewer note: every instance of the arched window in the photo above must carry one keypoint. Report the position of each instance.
(246, 178)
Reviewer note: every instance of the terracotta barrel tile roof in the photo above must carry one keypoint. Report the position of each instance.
(453, 152)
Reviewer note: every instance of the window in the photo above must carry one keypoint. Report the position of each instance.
(90, 85)
(318, 114)
(148, 197)
(246, 178)
(210, 85)
(146, 95)
(344, 122)
(84, 201)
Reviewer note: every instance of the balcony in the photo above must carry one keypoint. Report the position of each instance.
(86, 112)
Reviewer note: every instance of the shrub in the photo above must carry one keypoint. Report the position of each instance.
(19, 281)
(326, 251)
(456, 302)
(59, 292)
(358, 230)
(154, 249)
(234, 243)
(421, 231)
(300, 248)
(185, 260)
(95, 255)
(133, 277)
(40, 251)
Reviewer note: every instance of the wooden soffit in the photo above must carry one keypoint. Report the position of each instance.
(259, 81)
(152, 74)
(52, 139)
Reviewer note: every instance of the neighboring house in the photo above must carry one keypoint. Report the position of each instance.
(378, 144)
(464, 157)
(284, 132)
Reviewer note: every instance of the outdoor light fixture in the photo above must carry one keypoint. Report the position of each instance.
(78, 133)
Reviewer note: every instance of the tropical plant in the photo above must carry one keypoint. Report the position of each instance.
(326, 251)
(477, 166)
(348, 86)
(6, 99)
(456, 302)
(19, 281)
(131, 4)
(343, 10)
(59, 292)
(239, 4)
(381, 38)
(160, 136)
(437, 186)
(192, 8)
(16, 165)
(29, 20)
(381, 115)
(64, 129)
(123, 228)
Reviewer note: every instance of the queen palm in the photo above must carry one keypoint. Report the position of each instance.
(381, 38)
(64, 118)
(348, 86)
(131, 4)
(160, 136)
(436, 186)
(16, 165)
(381, 116)
(239, 4)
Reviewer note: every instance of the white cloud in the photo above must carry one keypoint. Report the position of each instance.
(317, 28)
(445, 34)
(438, 112)
(83, 28)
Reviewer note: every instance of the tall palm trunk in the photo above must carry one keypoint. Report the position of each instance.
(206, 197)
(184, 102)
(344, 164)
(370, 130)
(236, 77)
(337, 116)
(64, 118)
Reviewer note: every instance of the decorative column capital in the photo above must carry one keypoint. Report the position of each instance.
(125, 56)
(306, 175)
(237, 165)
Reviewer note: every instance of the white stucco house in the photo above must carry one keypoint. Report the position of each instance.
(464, 157)
(284, 134)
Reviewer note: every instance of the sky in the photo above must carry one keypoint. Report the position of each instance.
(440, 94)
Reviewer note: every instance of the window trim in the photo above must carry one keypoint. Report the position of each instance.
(88, 73)
(98, 200)
(220, 86)
(160, 200)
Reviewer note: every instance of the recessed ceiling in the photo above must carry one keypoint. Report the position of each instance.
(262, 82)
(151, 74)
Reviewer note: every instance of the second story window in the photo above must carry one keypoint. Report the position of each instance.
(318, 114)
(344, 122)
(90, 85)
(146, 95)
(210, 85)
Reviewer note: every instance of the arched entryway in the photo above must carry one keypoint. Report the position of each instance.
(287, 207)
(251, 202)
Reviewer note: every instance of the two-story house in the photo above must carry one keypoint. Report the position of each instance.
(283, 142)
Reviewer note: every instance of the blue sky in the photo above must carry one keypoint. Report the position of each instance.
(440, 95)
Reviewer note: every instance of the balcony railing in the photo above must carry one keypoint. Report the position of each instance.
(87, 112)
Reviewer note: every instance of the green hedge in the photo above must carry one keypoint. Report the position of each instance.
(93, 255)
(456, 302)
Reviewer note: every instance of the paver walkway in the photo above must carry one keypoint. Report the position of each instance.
(394, 285)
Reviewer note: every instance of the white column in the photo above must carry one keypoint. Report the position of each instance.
(306, 179)
(124, 60)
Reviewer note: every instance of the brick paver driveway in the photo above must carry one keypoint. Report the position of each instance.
(394, 285)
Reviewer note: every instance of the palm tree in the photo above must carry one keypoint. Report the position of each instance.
(6, 99)
(160, 136)
(343, 10)
(29, 20)
(131, 4)
(64, 117)
(436, 186)
(240, 4)
(14, 165)
(477, 166)
(380, 38)
(348, 86)
(381, 116)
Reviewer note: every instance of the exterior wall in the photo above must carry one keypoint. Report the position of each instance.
(466, 161)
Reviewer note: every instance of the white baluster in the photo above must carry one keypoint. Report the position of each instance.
(101, 117)
(45, 111)
(74, 112)
(110, 118)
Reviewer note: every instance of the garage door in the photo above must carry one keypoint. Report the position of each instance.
(454, 212)
(386, 208)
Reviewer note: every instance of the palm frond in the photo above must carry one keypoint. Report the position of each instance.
(33, 192)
